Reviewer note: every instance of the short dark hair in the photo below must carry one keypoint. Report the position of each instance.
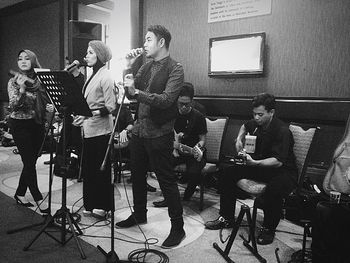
(264, 99)
(187, 90)
(161, 32)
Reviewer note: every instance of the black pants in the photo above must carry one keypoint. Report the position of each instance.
(280, 183)
(330, 233)
(28, 136)
(157, 153)
(96, 183)
(193, 170)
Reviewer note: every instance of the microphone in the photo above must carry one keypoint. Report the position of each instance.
(135, 53)
(75, 63)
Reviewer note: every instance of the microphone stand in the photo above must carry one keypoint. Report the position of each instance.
(112, 257)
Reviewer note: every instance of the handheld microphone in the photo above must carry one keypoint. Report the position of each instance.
(135, 53)
(75, 63)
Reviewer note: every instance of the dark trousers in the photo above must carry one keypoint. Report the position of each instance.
(96, 183)
(157, 153)
(330, 233)
(28, 136)
(193, 170)
(280, 183)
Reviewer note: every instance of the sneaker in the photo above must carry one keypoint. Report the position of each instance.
(266, 236)
(87, 213)
(219, 223)
(175, 238)
(99, 213)
(132, 220)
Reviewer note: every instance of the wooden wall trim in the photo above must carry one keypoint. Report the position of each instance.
(334, 111)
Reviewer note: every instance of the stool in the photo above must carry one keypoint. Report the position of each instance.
(245, 210)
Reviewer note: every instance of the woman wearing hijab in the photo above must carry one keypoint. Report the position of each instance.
(28, 102)
(99, 94)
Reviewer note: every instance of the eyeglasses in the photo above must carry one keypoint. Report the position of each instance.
(184, 104)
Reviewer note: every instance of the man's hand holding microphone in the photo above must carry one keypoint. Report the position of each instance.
(129, 83)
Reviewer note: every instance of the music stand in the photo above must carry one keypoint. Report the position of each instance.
(66, 96)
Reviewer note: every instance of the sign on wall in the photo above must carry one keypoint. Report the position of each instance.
(221, 10)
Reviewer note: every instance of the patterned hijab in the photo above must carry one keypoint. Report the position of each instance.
(41, 96)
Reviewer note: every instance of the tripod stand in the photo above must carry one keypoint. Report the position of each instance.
(48, 216)
(112, 257)
(65, 95)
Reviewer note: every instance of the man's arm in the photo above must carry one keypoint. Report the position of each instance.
(239, 140)
(268, 162)
(201, 142)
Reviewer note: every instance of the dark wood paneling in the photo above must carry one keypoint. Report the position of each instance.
(297, 109)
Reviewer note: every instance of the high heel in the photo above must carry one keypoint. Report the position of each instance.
(43, 211)
(19, 202)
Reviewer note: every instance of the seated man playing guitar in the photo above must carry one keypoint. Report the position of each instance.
(190, 132)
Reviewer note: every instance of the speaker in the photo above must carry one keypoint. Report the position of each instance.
(79, 36)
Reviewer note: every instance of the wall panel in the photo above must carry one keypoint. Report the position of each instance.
(308, 54)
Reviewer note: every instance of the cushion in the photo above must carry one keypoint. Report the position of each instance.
(251, 186)
(209, 168)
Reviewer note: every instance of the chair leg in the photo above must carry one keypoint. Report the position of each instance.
(201, 195)
(245, 210)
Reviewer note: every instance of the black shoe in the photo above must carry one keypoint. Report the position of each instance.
(219, 223)
(53, 161)
(132, 220)
(266, 236)
(175, 237)
(45, 211)
(151, 188)
(161, 203)
(19, 202)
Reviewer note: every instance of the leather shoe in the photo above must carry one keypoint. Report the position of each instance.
(161, 203)
(219, 223)
(266, 236)
(175, 237)
(132, 220)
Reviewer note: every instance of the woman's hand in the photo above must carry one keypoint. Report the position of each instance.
(78, 120)
(20, 80)
(50, 108)
(96, 113)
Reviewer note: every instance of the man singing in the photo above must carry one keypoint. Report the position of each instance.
(156, 87)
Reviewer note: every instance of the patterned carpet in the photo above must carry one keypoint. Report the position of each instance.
(197, 246)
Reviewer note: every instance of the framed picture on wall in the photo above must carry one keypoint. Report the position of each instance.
(238, 55)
